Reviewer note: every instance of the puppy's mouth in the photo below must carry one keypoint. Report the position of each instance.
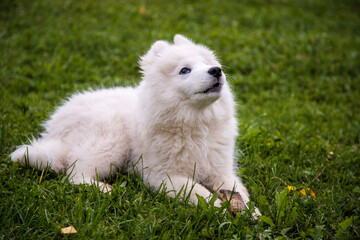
(216, 88)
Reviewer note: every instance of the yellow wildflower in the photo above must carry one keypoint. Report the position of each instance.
(309, 190)
(291, 188)
(302, 192)
(312, 193)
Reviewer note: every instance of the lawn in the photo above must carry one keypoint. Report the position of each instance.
(294, 67)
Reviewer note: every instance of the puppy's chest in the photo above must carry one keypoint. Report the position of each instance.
(188, 146)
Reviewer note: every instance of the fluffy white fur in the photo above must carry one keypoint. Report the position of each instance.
(167, 119)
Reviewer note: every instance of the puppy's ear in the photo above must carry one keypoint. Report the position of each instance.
(180, 39)
(155, 51)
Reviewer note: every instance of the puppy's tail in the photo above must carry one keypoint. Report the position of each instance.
(40, 154)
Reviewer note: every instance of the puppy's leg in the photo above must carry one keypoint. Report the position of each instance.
(79, 178)
(187, 187)
(97, 158)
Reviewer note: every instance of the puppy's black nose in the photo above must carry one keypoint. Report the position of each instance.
(215, 71)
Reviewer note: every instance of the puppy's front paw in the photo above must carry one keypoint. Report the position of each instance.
(237, 204)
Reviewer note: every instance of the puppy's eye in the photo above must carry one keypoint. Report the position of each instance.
(184, 70)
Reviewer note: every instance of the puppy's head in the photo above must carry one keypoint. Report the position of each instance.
(184, 70)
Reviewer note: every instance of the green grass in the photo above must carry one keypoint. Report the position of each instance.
(294, 67)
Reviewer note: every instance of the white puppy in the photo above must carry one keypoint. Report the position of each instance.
(180, 119)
